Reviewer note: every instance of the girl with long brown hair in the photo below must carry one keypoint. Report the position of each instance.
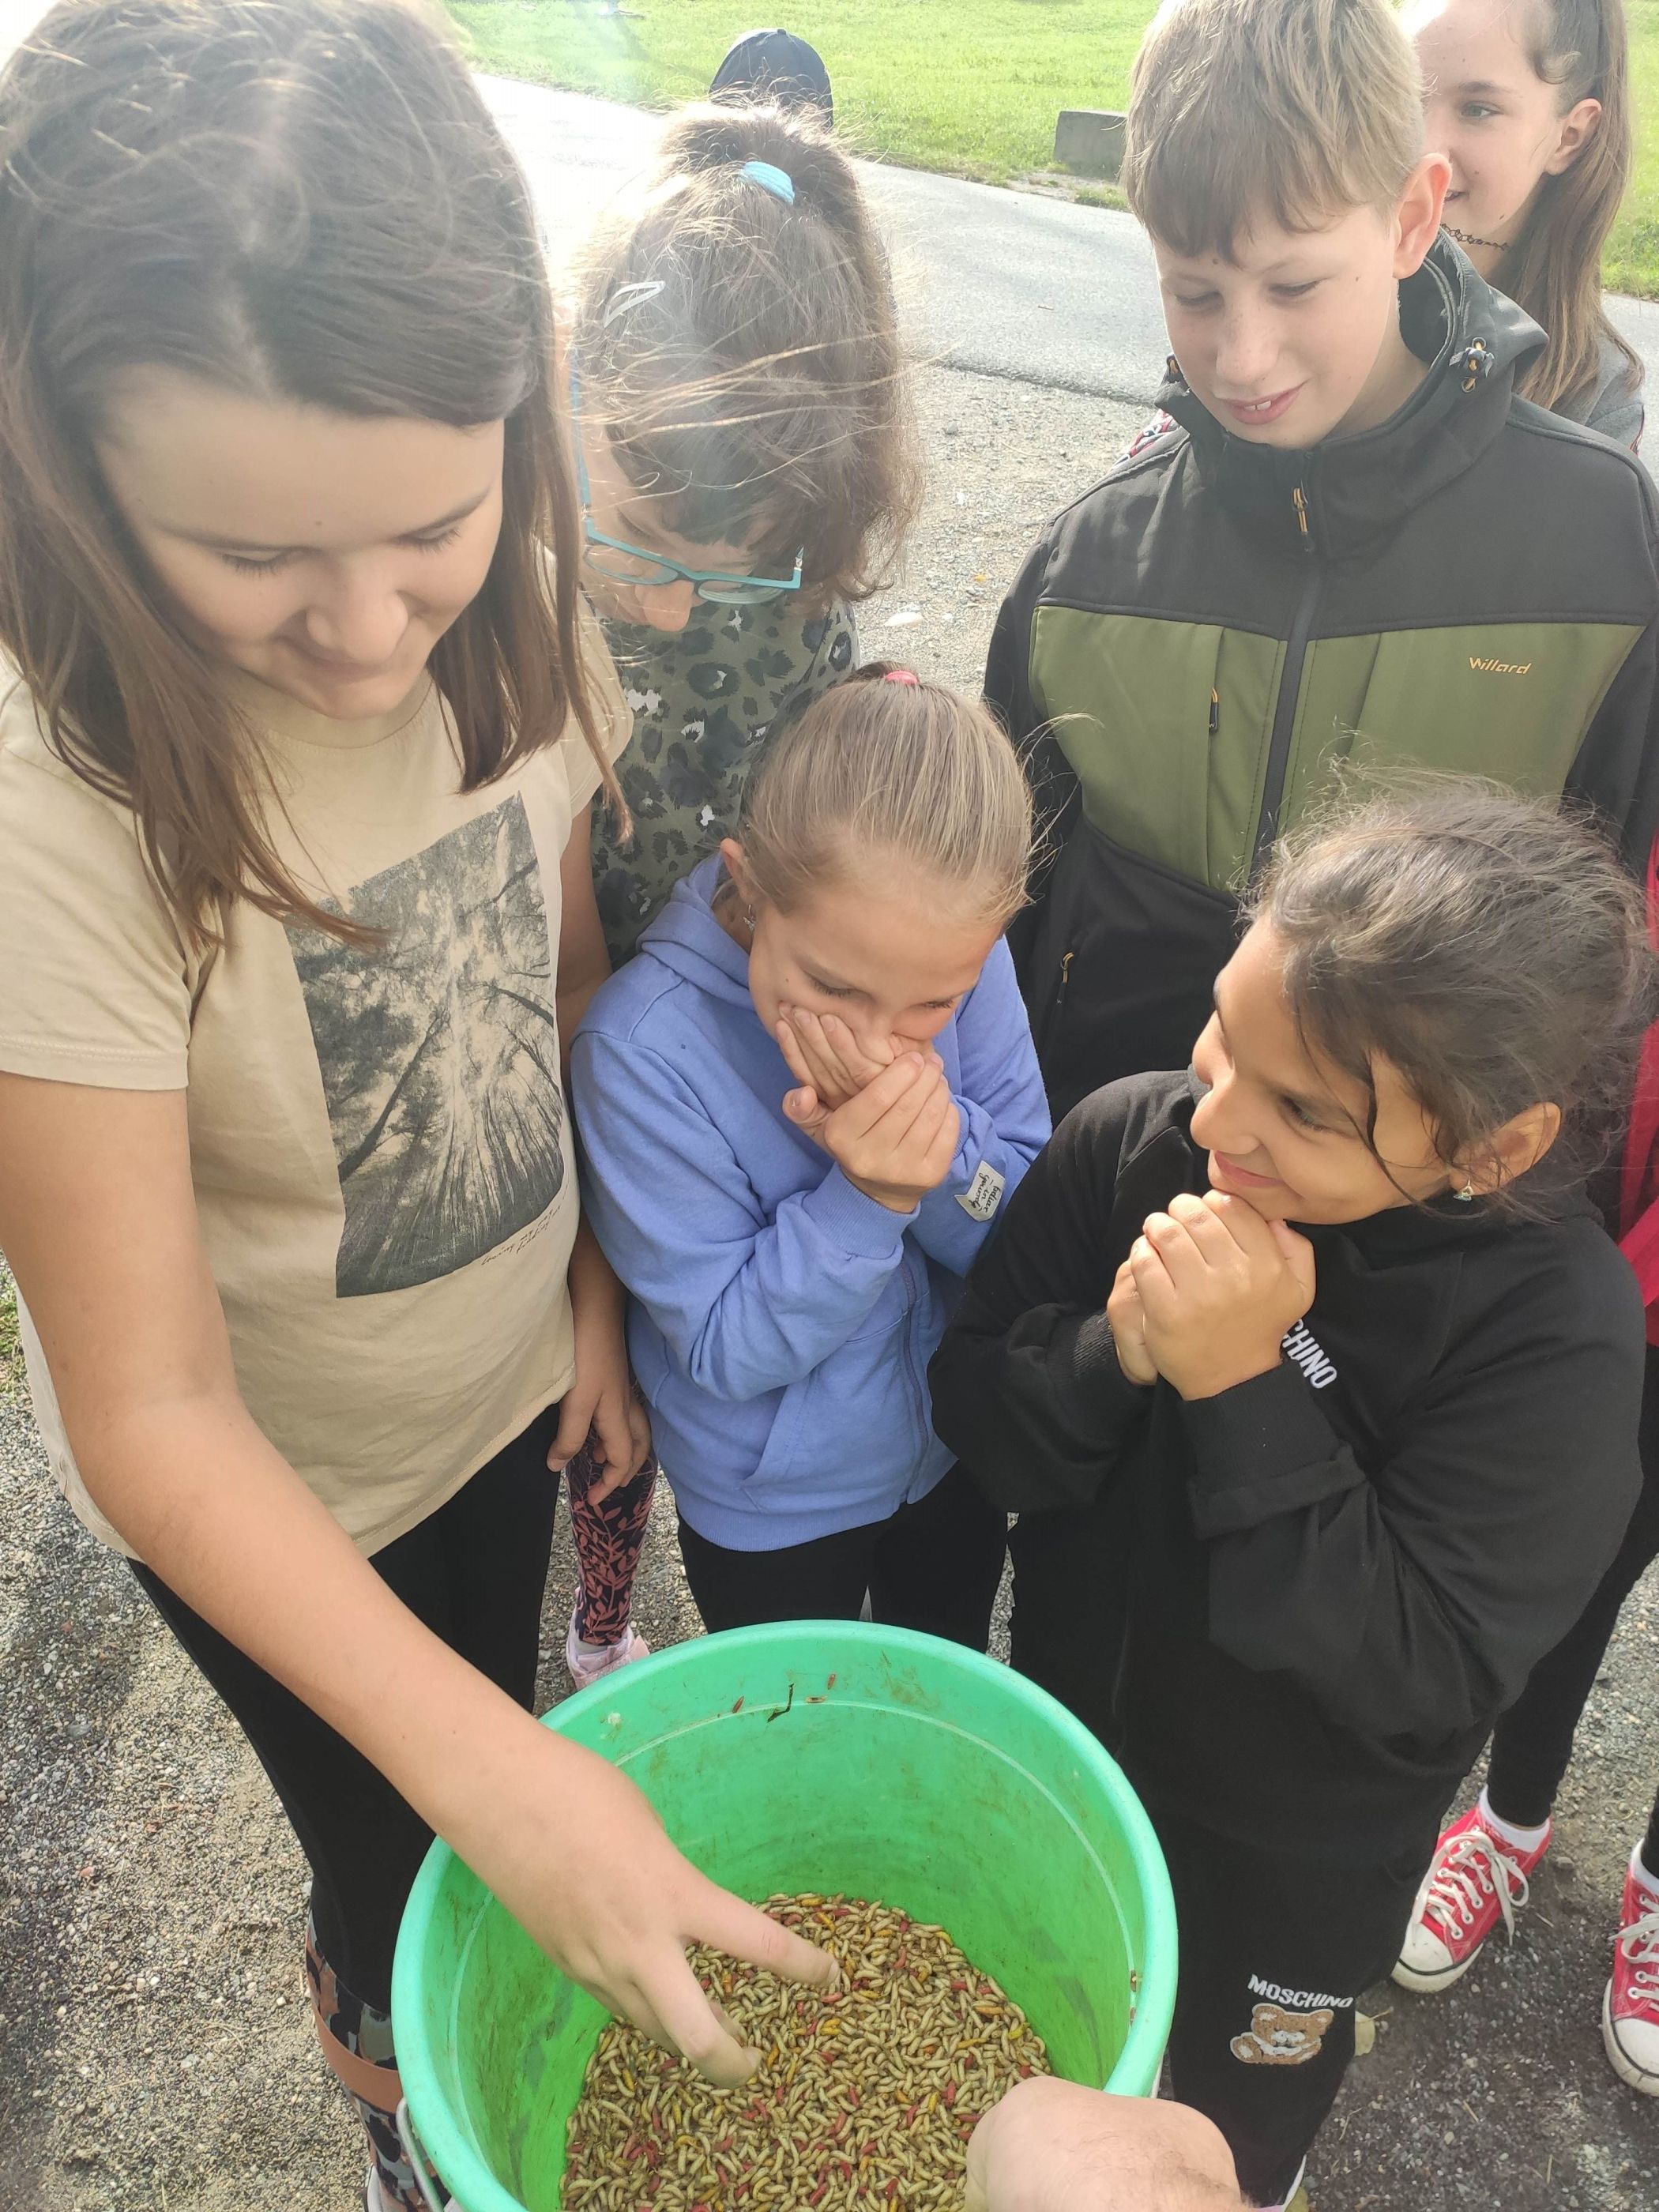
(1530, 99)
(295, 764)
(1532, 102)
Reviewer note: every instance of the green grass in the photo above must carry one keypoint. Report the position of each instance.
(971, 87)
(1632, 261)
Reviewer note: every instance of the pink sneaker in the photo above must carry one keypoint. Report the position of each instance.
(588, 1668)
(1474, 1880)
(1630, 2010)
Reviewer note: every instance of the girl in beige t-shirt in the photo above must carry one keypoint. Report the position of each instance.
(296, 750)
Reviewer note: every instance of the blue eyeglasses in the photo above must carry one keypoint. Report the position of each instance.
(632, 564)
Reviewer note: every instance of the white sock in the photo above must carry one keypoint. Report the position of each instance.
(1638, 1867)
(1520, 1839)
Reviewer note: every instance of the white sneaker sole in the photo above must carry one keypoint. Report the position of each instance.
(1426, 1984)
(1641, 2078)
(584, 1672)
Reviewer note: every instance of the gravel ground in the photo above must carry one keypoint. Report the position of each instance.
(154, 2048)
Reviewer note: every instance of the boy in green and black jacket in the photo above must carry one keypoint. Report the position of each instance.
(1355, 543)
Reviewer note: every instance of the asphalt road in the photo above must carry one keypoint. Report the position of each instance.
(1006, 284)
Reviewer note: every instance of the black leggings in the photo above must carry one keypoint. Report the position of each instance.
(1533, 1742)
(474, 1572)
(934, 1565)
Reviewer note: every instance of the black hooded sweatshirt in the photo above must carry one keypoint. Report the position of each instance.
(1197, 643)
(1338, 1574)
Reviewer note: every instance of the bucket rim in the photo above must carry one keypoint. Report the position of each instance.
(474, 2188)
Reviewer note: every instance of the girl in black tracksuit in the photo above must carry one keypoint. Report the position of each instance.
(1345, 1482)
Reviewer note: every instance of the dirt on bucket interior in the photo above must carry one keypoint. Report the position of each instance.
(155, 2049)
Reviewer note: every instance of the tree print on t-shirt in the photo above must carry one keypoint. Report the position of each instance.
(439, 1049)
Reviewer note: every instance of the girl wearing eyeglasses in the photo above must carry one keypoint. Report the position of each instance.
(746, 469)
(747, 464)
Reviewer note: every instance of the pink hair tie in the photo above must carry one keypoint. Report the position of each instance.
(902, 676)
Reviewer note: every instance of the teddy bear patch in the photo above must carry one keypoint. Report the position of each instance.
(1278, 2037)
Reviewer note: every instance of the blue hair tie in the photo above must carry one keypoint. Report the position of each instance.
(778, 182)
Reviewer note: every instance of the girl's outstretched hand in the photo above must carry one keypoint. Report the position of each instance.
(576, 1854)
(1219, 1287)
(896, 1140)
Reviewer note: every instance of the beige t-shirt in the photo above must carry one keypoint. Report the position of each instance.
(379, 1140)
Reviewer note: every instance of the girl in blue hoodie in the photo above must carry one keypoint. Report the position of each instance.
(802, 1106)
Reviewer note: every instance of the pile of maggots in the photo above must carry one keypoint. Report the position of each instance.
(865, 2096)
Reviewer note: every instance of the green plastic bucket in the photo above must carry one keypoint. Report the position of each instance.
(816, 1755)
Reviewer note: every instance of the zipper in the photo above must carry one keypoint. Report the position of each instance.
(1289, 689)
(1215, 711)
(912, 1322)
(1042, 1028)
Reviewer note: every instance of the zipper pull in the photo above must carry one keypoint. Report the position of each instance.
(1215, 711)
(1064, 978)
(1299, 501)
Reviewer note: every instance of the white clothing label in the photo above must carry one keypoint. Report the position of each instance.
(984, 1194)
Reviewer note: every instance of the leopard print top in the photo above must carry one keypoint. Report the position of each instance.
(703, 702)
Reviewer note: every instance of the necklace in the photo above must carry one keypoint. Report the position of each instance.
(1468, 238)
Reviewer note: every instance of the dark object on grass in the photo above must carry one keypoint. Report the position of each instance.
(774, 65)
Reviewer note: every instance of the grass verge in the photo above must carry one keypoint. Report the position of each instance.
(972, 87)
(968, 86)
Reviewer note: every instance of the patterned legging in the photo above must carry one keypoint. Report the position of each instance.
(608, 1533)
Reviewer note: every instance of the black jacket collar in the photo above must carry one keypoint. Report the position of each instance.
(1354, 488)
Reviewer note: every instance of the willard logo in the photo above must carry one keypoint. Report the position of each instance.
(1500, 667)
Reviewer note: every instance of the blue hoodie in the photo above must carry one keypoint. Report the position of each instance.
(782, 1321)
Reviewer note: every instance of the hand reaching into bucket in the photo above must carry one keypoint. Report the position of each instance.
(1055, 2147)
(579, 1858)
